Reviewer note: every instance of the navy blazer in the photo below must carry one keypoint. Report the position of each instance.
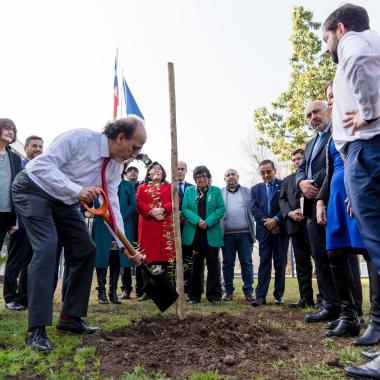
(259, 207)
(187, 184)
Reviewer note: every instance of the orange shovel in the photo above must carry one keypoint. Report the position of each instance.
(159, 288)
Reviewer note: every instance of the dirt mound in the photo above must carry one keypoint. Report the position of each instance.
(240, 347)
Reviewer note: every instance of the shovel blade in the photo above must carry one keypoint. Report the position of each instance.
(161, 290)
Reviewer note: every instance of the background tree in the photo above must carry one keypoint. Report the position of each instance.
(282, 125)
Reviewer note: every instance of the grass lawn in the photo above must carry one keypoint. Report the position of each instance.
(70, 359)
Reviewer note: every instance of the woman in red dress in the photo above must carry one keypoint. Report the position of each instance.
(155, 231)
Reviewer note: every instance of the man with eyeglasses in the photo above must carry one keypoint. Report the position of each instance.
(10, 165)
(273, 242)
(46, 197)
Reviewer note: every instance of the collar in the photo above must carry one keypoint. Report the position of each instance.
(326, 130)
(104, 149)
(233, 191)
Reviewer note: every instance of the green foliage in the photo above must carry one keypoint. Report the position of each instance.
(282, 124)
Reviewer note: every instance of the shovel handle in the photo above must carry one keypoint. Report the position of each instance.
(100, 211)
(103, 212)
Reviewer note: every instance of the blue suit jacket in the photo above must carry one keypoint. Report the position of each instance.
(259, 207)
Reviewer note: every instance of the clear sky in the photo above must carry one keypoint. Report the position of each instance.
(230, 56)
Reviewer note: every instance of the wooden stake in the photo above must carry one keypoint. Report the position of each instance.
(175, 197)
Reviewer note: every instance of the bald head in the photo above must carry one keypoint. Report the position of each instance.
(317, 115)
(231, 177)
(182, 170)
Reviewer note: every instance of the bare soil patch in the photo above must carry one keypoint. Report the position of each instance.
(262, 343)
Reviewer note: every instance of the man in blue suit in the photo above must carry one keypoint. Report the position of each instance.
(273, 242)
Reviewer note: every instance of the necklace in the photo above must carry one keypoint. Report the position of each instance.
(2, 157)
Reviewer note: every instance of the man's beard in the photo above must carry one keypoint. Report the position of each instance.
(334, 56)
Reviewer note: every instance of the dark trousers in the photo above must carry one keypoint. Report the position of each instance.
(5, 224)
(126, 281)
(272, 247)
(347, 257)
(19, 256)
(213, 283)
(317, 239)
(45, 219)
(304, 266)
(362, 180)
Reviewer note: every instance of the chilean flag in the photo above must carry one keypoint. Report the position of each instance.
(131, 106)
(115, 92)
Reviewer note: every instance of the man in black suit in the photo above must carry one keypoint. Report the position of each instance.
(187, 253)
(296, 230)
(309, 177)
(270, 232)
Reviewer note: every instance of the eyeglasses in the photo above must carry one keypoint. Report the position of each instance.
(201, 176)
(9, 128)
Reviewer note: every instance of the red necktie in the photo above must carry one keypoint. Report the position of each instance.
(112, 221)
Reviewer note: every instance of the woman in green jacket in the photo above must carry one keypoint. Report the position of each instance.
(202, 208)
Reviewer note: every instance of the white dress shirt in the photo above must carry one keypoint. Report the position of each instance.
(357, 85)
(73, 161)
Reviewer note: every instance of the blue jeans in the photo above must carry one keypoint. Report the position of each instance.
(362, 180)
(243, 245)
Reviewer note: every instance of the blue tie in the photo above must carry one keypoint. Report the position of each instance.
(180, 190)
(269, 196)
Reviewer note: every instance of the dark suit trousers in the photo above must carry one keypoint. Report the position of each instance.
(302, 256)
(317, 239)
(272, 247)
(19, 256)
(45, 219)
(5, 223)
(213, 283)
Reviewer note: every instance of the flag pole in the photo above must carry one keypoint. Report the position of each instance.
(175, 197)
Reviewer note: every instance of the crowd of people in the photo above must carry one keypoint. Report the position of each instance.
(327, 209)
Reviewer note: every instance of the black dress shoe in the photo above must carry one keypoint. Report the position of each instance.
(346, 327)
(370, 370)
(114, 298)
(279, 300)
(77, 326)
(303, 303)
(322, 316)
(370, 355)
(370, 337)
(259, 301)
(15, 306)
(333, 324)
(38, 340)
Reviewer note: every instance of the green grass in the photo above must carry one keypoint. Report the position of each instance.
(71, 360)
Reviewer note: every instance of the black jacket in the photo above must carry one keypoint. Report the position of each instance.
(318, 167)
(15, 162)
(290, 201)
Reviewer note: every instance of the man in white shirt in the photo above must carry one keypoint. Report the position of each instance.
(356, 126)
(46, 196)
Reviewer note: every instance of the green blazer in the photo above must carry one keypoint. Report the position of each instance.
(214, 212)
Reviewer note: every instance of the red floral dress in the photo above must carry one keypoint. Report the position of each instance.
(156, 237)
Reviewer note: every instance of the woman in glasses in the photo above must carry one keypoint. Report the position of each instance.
(10, 165)
(203, 208)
